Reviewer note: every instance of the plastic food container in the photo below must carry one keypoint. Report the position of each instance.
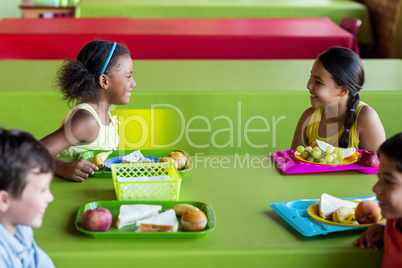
(146, 190)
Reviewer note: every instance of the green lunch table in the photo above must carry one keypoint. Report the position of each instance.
(248, 233)
(334, 9)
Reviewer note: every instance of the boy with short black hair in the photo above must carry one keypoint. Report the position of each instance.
(388, 191)
(26, 170)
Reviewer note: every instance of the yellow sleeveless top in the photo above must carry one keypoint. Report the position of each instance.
(107, 139)
(314, 124)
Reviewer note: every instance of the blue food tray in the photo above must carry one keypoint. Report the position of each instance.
(295, 213)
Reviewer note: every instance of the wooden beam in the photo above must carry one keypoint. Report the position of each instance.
(396, 51)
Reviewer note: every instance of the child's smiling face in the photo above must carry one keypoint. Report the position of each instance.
(121, 82)
(323, 89)
(388, 189)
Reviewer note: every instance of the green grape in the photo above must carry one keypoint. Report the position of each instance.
(337, 151)
(304, 155)
(316, 154)
(329, 150)
(317, 149)
(322, 161)
(329, 158)
(334, 155)
(311, 159)
(335, 162)
(309, 149)
(300, 148)
(340, 157)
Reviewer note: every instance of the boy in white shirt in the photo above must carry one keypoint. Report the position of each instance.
(26, 171)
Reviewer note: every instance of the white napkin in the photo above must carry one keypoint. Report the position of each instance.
(136, 157)
(144, 178)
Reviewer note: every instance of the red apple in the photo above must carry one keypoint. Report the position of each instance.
(368, 159)
(97, 220)
(368, 211)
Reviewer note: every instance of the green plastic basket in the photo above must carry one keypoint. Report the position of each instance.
(146, 190)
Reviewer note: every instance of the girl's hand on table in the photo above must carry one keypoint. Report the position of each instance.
(78, 170)
(371, 237)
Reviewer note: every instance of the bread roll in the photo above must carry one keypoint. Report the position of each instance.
(180, 158)
(168, 160)
(194, 221)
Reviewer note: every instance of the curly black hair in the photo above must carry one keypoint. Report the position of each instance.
(77, 78)
(20, 153)
(346, 70)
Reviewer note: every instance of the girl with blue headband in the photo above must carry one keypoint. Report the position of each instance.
(101, 76)
(337, 116)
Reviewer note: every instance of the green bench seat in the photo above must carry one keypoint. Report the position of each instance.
(210, 107)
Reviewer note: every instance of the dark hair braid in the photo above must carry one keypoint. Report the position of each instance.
(353, 102)
(347, 71)
(77, 79)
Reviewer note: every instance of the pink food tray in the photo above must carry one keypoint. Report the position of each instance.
(289, 164)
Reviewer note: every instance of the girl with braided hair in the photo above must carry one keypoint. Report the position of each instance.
(337, 115)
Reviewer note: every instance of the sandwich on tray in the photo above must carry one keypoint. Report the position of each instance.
(163, 222)
(130, 214)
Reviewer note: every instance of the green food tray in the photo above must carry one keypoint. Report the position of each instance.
(129, 231)
(106, 173)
